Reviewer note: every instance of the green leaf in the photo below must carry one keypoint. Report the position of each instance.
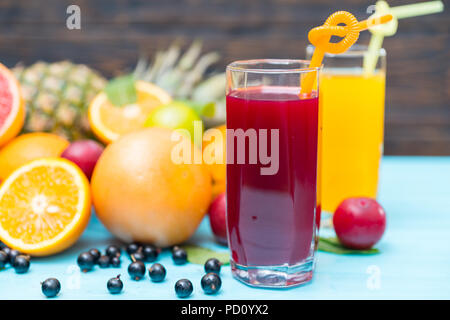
(199, 255)
(334, 246)
(121, 90)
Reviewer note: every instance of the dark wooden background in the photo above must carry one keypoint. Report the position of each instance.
(114, 33)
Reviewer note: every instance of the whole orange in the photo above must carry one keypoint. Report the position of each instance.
(218, 188)
(141, 194)
(27, 147)
(214, 155)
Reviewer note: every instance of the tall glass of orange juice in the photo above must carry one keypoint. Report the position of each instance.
(352, 124)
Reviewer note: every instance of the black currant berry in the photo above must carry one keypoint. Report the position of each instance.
(6, 250)
(132, 248)
(157, 272)
(50, 287)
(212, 265)
(183, 288)
(3, 259)
(95, 253)
(211, 283)
(113, 250)
(179, 256)
(85, 261)
(115, 261)
(21, 264)
(136, 270)
(174, 248)
(150, 253)
(104, 261)
(115, 285)
(12, 255)
(138, 256)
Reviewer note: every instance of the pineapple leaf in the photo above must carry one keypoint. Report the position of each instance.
(190, 56)
(211, 89)
(121, 90)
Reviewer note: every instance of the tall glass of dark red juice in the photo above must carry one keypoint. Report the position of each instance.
(272, 145)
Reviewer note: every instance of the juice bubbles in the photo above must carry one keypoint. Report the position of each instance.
(352, 106)
(271, 218)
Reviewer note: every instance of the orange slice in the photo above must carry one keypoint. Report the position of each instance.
(110, 122)
(12, 108)
(44, 206)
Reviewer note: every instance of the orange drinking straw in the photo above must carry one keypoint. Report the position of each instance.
(320, 38)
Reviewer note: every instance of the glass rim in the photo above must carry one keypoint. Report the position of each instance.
(245, 66)
(357, 50)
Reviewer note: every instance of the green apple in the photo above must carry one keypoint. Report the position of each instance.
(175, 115)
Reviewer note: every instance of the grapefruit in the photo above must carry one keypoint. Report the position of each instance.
(12, 108)
(141, 194)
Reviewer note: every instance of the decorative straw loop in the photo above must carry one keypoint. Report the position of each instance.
(320, 36)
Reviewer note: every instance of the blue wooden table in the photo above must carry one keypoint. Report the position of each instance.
(414, 261)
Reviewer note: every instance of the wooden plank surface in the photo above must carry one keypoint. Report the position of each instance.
(114, 33)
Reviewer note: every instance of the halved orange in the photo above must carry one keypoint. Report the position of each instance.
(12, 107)
(110, 122)
(44, 206)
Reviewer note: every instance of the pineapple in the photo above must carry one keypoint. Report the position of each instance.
(57, 97)
(58, 94)
(184, 77)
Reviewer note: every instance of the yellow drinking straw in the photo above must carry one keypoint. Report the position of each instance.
(320, 38)
(389, 29)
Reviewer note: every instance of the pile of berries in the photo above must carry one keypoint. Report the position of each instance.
(210, 283)
(139, 254)
(111, 258)
(20, 262)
